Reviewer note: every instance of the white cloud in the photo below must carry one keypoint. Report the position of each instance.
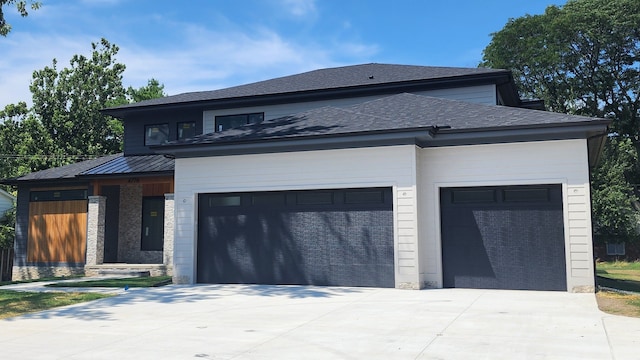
(300, 8)
(184, 56)
(24, 53)
(210, 59)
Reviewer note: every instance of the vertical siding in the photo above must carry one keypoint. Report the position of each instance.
(392, 166)
(57, 231)
(550, 162)
(483, 94)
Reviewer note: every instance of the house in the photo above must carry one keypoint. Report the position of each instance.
(7, 202)
(367, 175)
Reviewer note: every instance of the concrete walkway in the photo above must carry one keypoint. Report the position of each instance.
(301, 322)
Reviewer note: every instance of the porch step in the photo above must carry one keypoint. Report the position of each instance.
(118, 272)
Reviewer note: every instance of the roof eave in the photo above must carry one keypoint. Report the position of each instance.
(422, 137)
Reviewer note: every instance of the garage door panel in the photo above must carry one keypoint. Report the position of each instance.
(291, 243)
(497, 242)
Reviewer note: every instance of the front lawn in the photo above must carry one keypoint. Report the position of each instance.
(619, 275)
(14, 303)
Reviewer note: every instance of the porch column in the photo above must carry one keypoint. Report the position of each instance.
(167, 250)
(95, 230)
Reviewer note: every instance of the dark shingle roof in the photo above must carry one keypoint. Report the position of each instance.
(323, 79)
(400, 112)
(117, 164)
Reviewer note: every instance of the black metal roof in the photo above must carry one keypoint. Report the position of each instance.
(110, 165)
(394, 113)
(128, 165)
(364, 75)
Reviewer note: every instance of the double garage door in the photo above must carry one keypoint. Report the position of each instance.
(321, 237)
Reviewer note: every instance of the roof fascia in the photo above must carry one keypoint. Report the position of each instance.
(299, 144)
(126, 175)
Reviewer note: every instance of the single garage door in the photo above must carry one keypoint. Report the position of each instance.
(503, 237)
(320, 237)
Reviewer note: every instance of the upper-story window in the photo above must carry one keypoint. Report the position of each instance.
(225, 122)
(156, 134)
(186, 129)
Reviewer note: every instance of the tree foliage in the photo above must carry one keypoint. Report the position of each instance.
(21, 6)
(7, 228)
(69, 101)
(152, 90)
(584, 58)
(613, 199)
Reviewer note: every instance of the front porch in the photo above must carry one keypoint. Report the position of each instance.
(130, 227)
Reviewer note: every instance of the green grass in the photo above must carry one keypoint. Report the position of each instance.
(15, 303)
(40, 279)
(619, 275)
(149, 281)
(618, 265)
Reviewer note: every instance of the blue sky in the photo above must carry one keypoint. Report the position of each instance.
(209, 44)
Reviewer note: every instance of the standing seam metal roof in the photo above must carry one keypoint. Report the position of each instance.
(116, 164)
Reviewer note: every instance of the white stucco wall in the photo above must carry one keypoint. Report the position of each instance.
(551, 162)
(392, 166)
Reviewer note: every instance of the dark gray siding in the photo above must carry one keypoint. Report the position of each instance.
(22, 226)
(134, 127)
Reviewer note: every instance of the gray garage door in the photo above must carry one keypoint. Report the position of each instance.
(503, 237)
(320, 237)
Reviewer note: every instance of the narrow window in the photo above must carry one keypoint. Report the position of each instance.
(58, 195)
(225, 122)
(186, 130)
(156, 134)
(224, 200)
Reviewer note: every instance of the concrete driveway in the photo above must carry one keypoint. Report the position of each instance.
(300, 322)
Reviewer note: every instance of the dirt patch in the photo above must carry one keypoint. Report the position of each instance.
(619, 304)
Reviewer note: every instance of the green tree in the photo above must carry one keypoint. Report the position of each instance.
(24, 144)
(7, 228)
(23, 10)
(152, 90)
(613, 197)
(584, 58)
(68, 102)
